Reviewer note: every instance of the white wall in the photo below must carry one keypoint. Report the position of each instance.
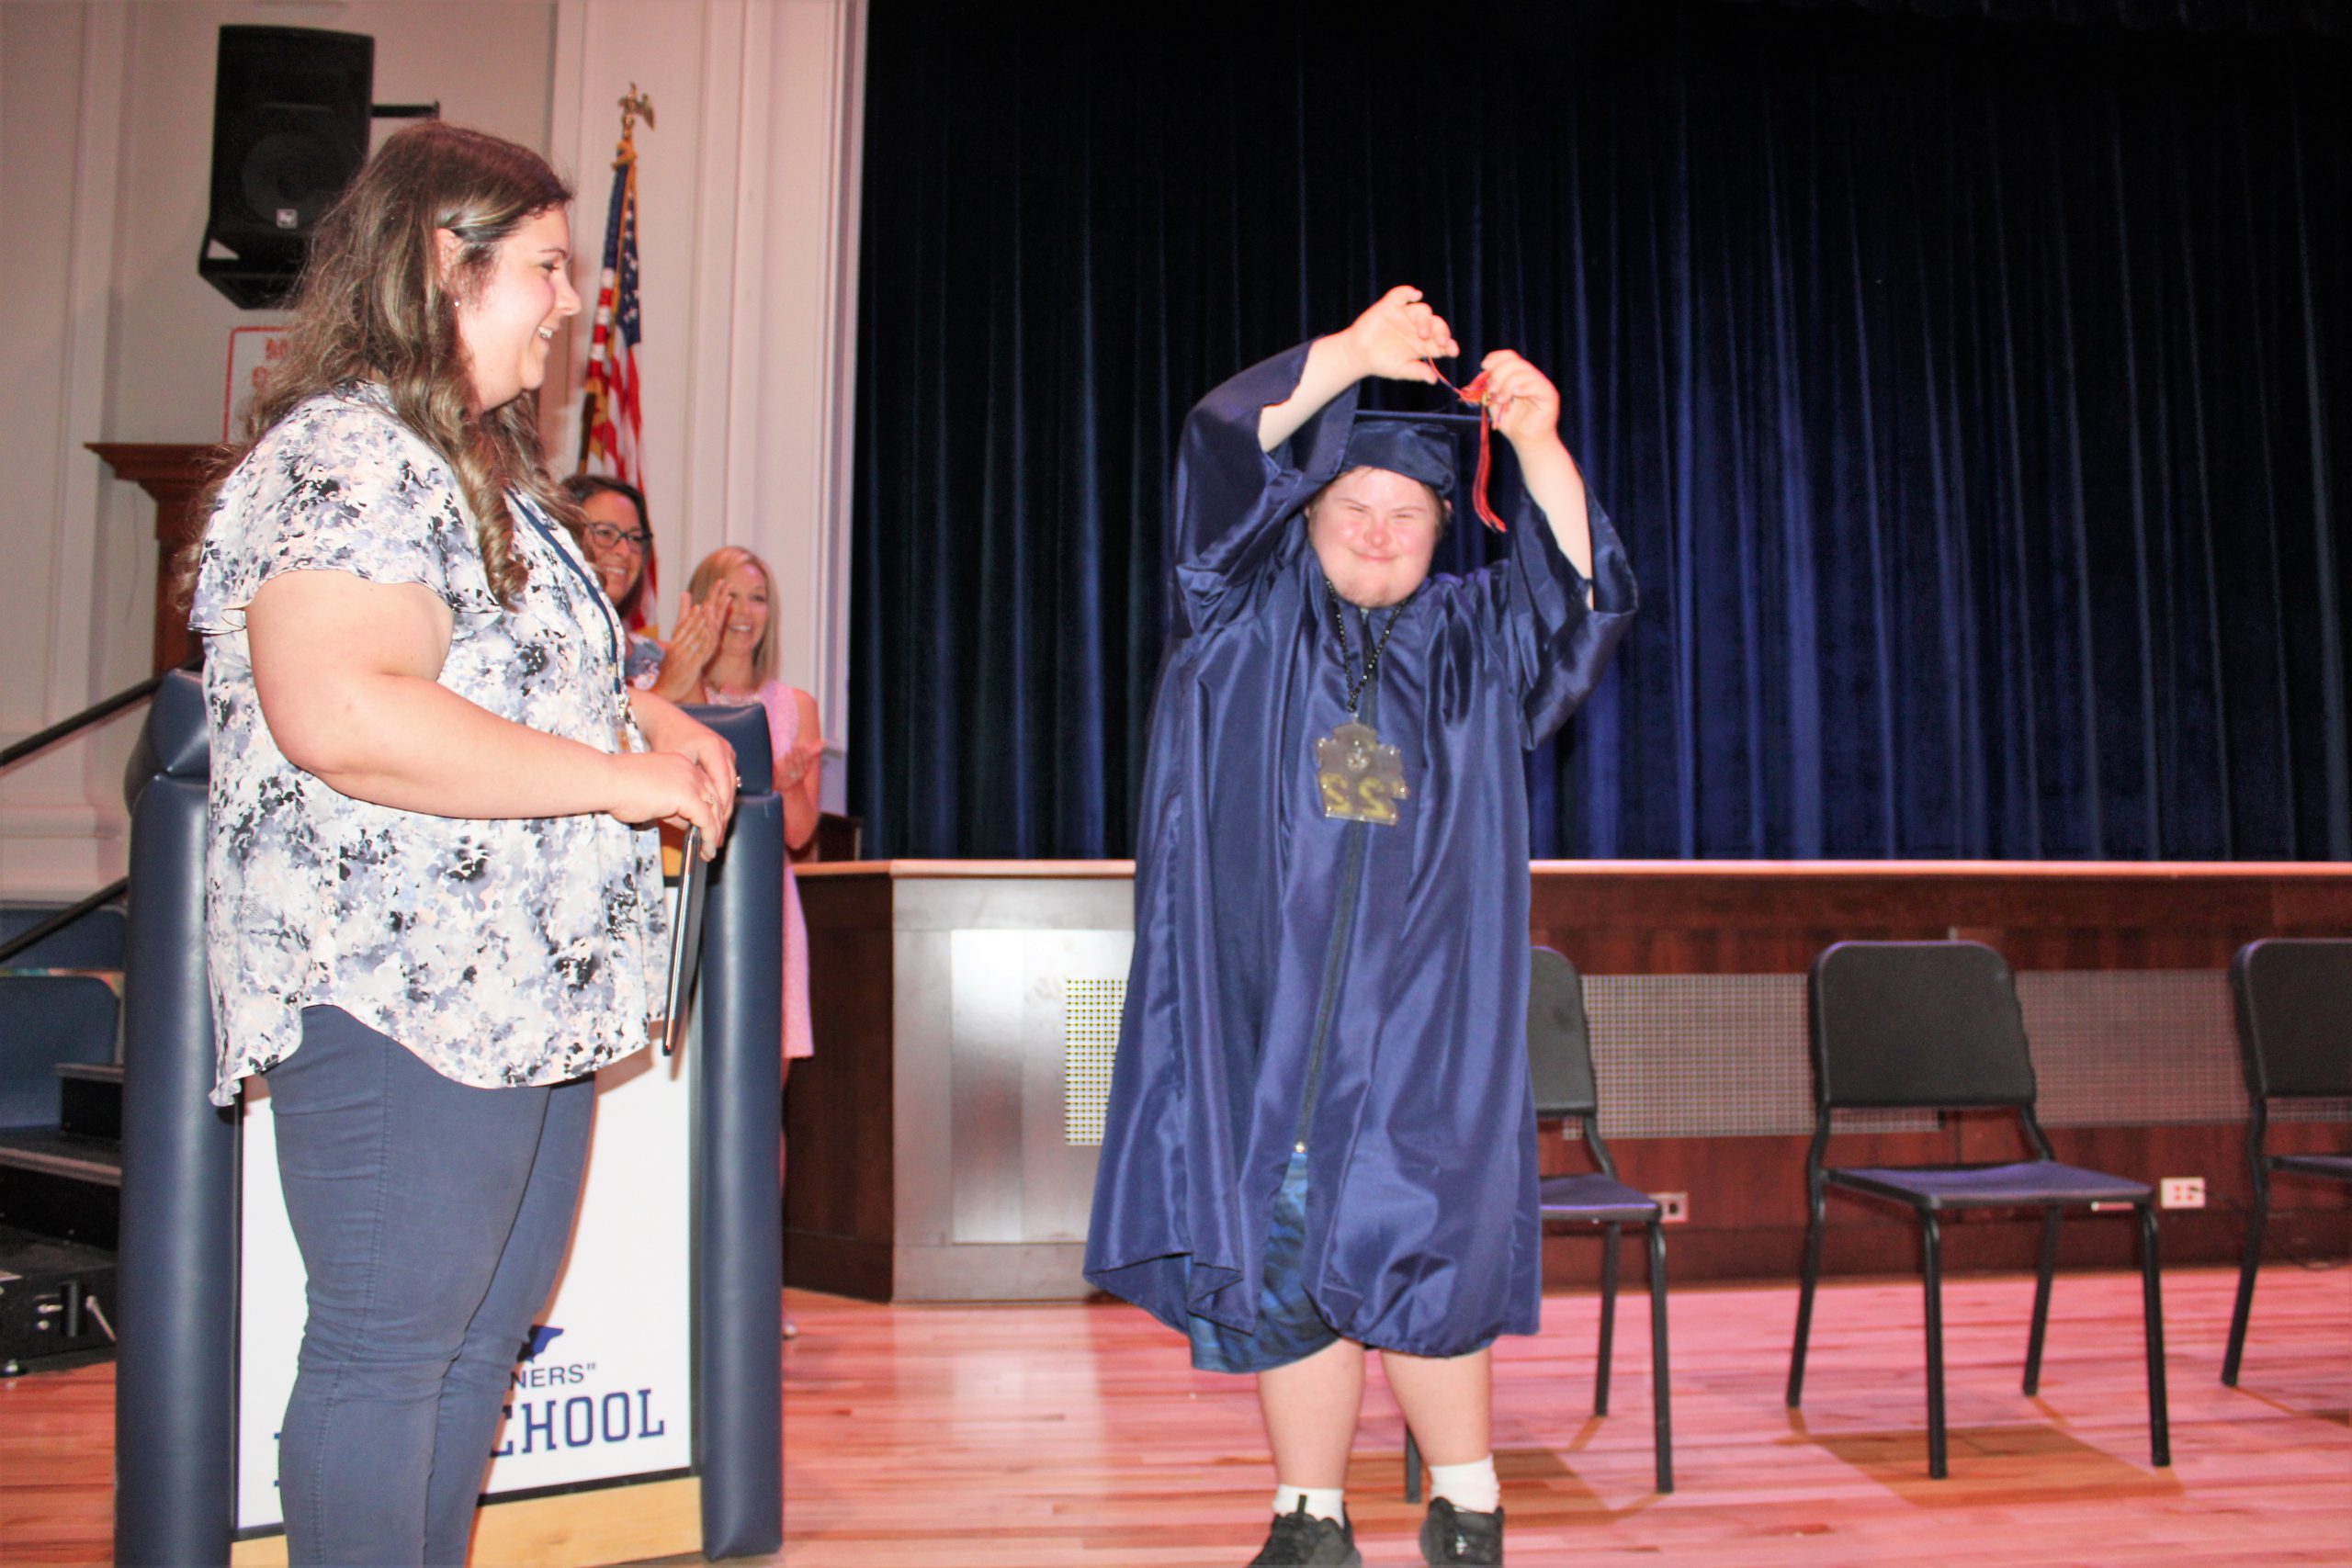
(747, 187)
(748, 190)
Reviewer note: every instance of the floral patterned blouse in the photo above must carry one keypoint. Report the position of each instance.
(501, 952)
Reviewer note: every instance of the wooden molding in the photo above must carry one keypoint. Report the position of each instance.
(173, 474)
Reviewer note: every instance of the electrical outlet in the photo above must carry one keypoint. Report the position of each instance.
(1676, 1204)
(2181, 1192)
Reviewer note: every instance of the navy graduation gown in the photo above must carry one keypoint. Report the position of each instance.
(1357, 989)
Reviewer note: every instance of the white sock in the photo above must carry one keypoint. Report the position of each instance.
(1323, 1501)
(1470, 1486)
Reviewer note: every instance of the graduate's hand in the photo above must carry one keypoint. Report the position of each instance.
(1399, 336)
(1521, 402)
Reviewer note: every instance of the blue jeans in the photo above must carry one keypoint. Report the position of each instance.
(432, 1219)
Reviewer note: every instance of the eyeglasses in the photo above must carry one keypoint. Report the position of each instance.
(605, 537)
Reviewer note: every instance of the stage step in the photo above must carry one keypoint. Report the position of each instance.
(89, 1100)
(91, 943)
(55, 1184)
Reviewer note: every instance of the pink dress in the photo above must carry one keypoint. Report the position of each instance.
(784, 732)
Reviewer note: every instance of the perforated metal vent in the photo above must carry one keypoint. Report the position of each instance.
(1089, 1042)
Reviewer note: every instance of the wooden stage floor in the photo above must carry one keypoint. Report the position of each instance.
(1035, 1435)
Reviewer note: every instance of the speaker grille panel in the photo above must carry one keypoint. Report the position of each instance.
(1726, 1056)
(1710, 1056)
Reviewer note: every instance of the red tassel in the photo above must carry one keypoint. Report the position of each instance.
(1476, 393)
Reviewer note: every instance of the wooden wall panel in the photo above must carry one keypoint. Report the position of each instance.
(1747, 1192)
(838, 1192)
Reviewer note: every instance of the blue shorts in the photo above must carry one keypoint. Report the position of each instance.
(1289, 1328)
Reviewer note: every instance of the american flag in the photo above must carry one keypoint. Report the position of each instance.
(611, 427)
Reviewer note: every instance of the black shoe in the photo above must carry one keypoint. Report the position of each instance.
(1458, 1535)
(1301, 1537)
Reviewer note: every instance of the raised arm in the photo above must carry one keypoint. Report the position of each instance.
(1563, 603)
(1525, 407)
(1396, 338)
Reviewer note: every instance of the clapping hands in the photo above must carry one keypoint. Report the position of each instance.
(693, 642)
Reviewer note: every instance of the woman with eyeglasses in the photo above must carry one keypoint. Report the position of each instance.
(619, 542)
(619, 539)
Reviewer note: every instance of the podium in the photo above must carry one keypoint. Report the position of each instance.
(190, 1236)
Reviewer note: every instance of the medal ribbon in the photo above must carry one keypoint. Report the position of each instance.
(1475, 394)
(1356, 683)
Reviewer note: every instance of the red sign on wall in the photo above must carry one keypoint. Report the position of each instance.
(252, 352)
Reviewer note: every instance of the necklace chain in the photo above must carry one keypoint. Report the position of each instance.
(1356, 683)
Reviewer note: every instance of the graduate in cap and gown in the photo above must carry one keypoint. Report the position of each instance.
(1321, 1133)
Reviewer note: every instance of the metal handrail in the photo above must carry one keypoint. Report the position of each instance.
(63, 917)
(106, 707)
(41, 741)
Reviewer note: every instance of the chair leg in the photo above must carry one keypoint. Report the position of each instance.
(2159, 1411)
(1607, 1318)
(2049, 1218)
(1804, 1303)
(1412, 1467)
(1662, 1410)
(1932, 1233)
(2257, 1224)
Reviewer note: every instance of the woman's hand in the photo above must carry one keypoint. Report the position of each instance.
(674, 733)
(669, 786)
(693, 642)
(1521, 402)
(1399, 336)
(805, 753)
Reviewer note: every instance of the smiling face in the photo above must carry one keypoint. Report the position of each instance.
(509, 316)
(615, 541)
(1375, 531)
(744, 599)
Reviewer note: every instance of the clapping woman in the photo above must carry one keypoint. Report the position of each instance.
(728, 592)
(433, 894)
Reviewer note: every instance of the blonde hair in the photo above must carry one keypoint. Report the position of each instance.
(715, 569)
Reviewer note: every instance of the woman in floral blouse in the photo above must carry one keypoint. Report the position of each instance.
(434, 899)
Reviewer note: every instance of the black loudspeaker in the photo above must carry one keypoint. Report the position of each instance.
(290, 113)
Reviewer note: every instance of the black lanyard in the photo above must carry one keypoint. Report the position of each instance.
(611, 617)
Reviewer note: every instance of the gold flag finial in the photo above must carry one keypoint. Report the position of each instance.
(632, 105)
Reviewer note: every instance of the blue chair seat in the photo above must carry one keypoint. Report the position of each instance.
(2033, 1183)
(1594, 1198)
(1936, 1026)
(2338, 1165)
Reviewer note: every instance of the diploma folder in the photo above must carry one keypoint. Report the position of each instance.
(686, 941)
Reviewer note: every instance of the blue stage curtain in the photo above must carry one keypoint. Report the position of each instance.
(1972, 384)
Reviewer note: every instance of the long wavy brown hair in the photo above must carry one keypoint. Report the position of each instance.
(373, 304)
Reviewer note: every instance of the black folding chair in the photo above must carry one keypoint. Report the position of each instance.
(1559, 1051)
(2295, 1033)
(1935, 1025)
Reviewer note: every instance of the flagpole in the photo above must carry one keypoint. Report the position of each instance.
(612, 371)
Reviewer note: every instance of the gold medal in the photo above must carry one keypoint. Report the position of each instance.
(1360, 779)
